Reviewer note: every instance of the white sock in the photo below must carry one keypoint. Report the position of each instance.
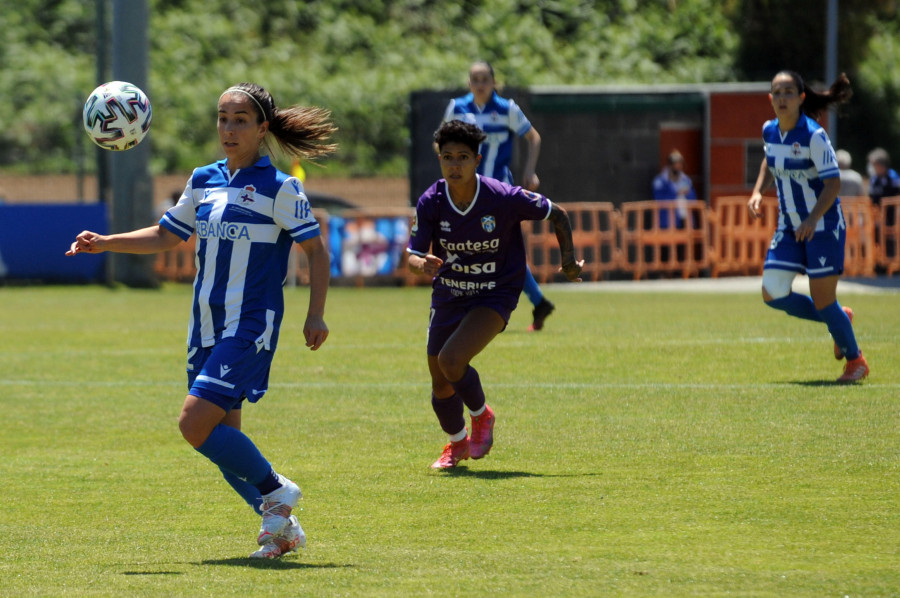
(479, 412)
(459, 435)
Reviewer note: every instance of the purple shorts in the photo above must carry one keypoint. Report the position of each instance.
(228, 372)
(445, 318)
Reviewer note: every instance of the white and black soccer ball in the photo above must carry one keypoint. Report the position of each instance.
(117, 115)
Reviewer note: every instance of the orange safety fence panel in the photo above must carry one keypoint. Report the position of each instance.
(594, 230)
(889, 237)
(676, 249)
(177, 264)
(739, 241)
(860, 250)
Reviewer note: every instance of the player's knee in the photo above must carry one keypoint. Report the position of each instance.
(776, 284)
(453, 366)
(190, 431)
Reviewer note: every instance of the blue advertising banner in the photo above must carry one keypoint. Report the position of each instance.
(34, 239)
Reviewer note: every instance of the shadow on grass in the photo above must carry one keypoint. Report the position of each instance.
(276, 564)
(815, 383)
(460, 472)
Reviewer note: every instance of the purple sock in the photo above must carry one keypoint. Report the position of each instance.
(469, 388)
(449, 413)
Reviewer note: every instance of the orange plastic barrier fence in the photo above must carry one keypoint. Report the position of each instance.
(679, 248)
(724, 240)
(889, 242)
(594, 229)
(860, 249)
(177, 265)
(740, 242)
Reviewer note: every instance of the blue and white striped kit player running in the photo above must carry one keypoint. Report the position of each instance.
(500, 119)
(251, 217)
(800, 161)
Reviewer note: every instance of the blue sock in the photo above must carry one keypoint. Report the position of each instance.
(233, 451)
(841, 329)
(532, 290)
(797, 305)
(248, 492)
(470, 390)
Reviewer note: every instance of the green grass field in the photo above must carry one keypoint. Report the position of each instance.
(647, 444)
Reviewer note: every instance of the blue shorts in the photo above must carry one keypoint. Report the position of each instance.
(821, 256)
(445, 318)
(228, 372)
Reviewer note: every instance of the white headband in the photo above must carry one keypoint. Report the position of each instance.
(248, 94)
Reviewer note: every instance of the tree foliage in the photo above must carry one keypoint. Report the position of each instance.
(772, 39)
(362, 58)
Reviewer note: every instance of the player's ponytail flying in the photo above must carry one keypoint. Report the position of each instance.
(817, 102)
(301, 131)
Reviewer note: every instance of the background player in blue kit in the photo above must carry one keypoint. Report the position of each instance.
(502, 121)
(247, 215)
(811, 231)
(468, 236)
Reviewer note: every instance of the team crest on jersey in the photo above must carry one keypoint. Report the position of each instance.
(795, 150)
(534, 197)
(488, 223)
(246, 194)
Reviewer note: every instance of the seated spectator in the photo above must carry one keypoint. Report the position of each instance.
(883, 180)
(851, 181)
(671, 183)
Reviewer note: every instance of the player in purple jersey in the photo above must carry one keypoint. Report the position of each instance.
(468, 236)
(502, 120)
(246, 215)
(811, 232)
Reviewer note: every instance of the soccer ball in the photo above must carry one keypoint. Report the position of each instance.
(117, 115)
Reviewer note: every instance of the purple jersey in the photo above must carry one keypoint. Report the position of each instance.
(482, 247)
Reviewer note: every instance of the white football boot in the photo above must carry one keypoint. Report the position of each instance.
(289, 540)
(276, 509)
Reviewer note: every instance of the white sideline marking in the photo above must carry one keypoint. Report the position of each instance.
(735, 284)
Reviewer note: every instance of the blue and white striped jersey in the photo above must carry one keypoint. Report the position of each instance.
(800, 161)
(245, 224)
(501, 119)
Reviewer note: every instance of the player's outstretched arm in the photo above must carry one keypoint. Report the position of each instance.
(152, 239)
(563, 228)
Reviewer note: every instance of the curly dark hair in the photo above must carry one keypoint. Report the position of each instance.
(459, 132)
